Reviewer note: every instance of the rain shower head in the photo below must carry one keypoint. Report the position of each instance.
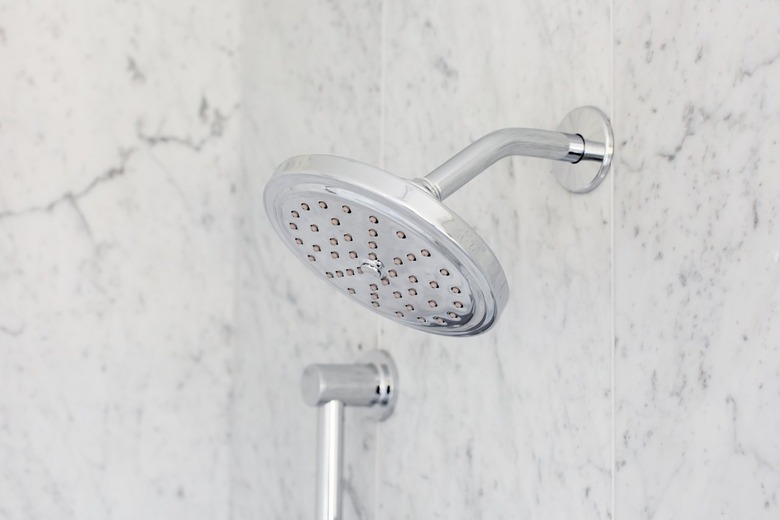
(391, 244)
(386, 243)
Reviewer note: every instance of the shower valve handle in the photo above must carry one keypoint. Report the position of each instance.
(372, 382)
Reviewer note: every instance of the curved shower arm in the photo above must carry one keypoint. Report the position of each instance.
(482, 153)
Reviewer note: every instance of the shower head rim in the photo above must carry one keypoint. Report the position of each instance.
(415, 206)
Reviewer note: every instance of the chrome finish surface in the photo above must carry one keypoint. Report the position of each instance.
(593, 125)
(386, 384)
(353, 385)
(391, 245)
(479, 155)
(387, 244)
(330, 449)
(373, 383)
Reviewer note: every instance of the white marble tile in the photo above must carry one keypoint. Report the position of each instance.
(311, 85)
(514, 423)
(152, 353)
(697, 272)
(118, 160)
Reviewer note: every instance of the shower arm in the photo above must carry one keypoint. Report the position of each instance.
(587, 139)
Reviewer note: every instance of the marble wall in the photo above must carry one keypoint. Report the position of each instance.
(119, 156)
(514, 423)
(153, 329)
(312, 81)
(697, 278)
(635, 372)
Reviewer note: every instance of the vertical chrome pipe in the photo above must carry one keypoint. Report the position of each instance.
(329, 460)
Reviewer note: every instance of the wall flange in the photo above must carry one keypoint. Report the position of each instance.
(593, 126)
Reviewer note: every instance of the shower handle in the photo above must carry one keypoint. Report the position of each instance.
(372, 382)
(583, 146)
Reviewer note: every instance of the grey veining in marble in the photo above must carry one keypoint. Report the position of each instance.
(153, 330)
(515, 423)
(697, 276)
(118, 164)
(312, 87)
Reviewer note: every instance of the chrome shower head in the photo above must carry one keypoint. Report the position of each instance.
(386, 243)
(391, 244)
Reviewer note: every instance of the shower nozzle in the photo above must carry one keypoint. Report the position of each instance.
(394, 247)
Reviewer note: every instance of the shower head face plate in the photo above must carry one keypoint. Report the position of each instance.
(387, 244)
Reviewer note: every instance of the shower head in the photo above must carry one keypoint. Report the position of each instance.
(391, 244)
(386, 243)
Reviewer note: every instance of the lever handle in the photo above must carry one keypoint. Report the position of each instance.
(372, 382)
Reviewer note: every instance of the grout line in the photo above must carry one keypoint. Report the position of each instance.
(382, 114)
(613, 338)
(382, 124)
(382, 78)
